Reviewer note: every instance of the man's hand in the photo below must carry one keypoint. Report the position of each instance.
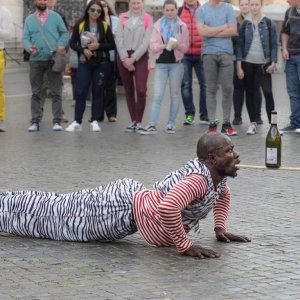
(33, 50)
(226, 237)
(61, 48)
(198, 251)
(285, 54)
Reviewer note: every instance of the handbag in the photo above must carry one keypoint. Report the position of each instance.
(59, 59)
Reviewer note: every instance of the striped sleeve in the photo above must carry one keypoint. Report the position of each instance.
(187, 190)
(221, 209)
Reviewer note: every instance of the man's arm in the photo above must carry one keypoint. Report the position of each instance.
(284, 42)
(225, 30)
(285, 32)
(230, 31)
(27, 43)
(64, 34)
(205, 31)
(221, 211)
(182, 194)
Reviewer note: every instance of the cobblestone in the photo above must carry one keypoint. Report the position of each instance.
(265, 206)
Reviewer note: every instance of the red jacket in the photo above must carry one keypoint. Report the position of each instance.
(190, 21)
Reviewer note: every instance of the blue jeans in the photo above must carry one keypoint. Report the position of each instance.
(190, 62)
(163, 72)
(292, 70)
(87, 75)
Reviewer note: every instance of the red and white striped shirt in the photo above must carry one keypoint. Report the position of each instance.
(159, 218)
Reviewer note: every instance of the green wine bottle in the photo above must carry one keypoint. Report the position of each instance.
(273, 144)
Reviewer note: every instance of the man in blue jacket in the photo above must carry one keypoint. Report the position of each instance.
(40, 26)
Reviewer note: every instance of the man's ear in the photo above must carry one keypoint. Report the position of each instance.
(212, 158)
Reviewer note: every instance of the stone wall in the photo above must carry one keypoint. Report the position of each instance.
(72, 9)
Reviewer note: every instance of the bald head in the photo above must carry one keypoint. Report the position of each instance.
(209, 143)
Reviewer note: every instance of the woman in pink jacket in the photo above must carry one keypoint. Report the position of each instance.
(168, 43)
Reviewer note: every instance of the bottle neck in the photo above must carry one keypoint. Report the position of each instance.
(274, 119)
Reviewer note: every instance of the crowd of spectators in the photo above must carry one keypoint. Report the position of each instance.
(237, 53)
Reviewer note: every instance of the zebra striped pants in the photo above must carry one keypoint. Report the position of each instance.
(104, 213)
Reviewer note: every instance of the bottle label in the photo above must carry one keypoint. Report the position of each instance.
(272, 156)
(274, 119)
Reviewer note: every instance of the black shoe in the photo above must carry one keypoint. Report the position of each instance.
(228, 130)
(259, 121)
(212, 127)
(288, 128)
(237, 121)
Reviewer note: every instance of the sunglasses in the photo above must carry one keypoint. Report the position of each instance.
(94, 10)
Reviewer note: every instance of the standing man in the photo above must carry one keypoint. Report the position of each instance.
(290, 38)
(41, 25)
(6, 31)
(216, 24)
(192, 59)
(51, 5)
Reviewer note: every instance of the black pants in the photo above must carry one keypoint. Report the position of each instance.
(110, 96)
(239, 95)
(88, 75)
(252, 71)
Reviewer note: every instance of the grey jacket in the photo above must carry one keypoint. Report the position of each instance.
(133, 37)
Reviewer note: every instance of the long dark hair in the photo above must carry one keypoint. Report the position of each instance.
(86, 16)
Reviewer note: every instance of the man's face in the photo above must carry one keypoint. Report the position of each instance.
(41, 4)
(191, 3)
(226, 159)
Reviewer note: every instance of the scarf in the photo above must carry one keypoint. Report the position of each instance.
(169, 28)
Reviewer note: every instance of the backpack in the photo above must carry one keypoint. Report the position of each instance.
(81, 26)
(147, 19)
(93, 61)
(179, 11)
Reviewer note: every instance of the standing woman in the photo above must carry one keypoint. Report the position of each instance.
(169, 41)
(238, 84)
(257, 56)
(110, 96)
(91, 39)
(132, 40)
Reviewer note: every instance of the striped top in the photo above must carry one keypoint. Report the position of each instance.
(165, 219)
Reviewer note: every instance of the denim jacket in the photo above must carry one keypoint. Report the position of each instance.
(245, 38)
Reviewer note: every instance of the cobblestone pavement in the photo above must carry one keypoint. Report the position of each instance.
(265, 207)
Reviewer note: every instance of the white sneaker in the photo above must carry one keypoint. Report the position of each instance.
(34, 127)
(95, 126)
(74, 126)
(130, 127)
(138, 127)
(57, 127)
(252, 129)
(149, 129)
(170, 129)
(298, 130)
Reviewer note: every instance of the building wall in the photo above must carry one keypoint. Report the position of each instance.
(16, 9)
